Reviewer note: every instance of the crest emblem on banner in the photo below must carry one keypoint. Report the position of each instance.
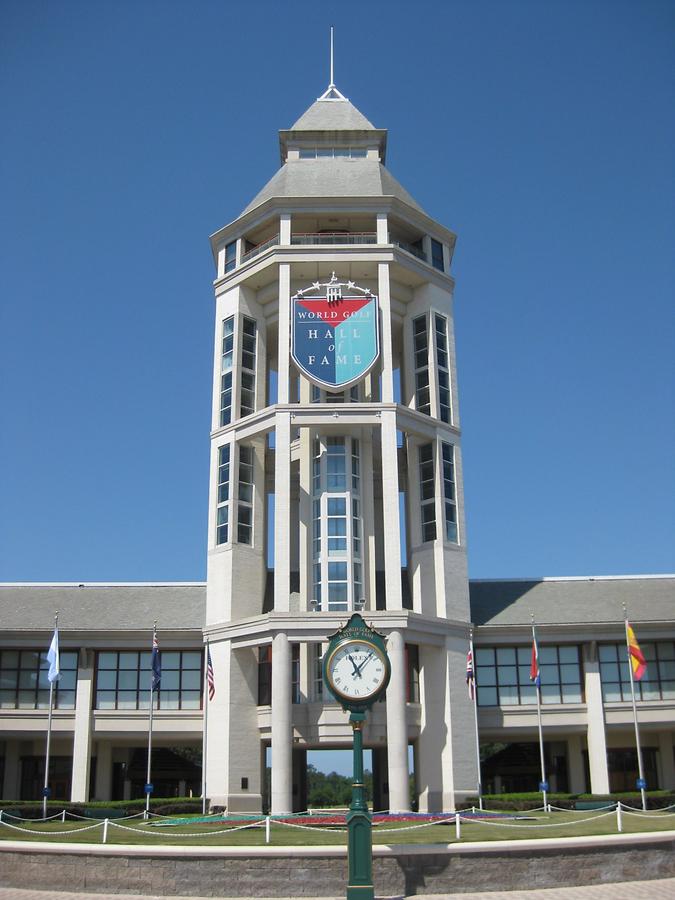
(335, 333)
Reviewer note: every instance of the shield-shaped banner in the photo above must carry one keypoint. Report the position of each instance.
(335, 342)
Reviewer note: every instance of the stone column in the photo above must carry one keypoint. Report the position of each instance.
(390, 511)
(282, 743)
(284, 342)
(597, 743)
(397, 731)
(79, 791)
(387, 342)
(282, 512)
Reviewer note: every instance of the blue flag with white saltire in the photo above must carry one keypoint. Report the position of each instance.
(156, 663)
(53, 658)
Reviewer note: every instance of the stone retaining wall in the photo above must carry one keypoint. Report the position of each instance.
(322, 872)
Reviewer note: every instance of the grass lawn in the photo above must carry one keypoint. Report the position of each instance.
(555, 824)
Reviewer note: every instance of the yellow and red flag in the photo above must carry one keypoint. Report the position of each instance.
(636, 656)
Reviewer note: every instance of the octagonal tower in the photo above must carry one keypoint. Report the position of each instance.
(335, 481)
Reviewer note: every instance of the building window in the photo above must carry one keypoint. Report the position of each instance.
(222, 503)
(230, 256)
(412, 658)
(248, 351)
(658, 682)
(449, 493)
(332, 152)
(295, 673)
(24, 683)
(421, 350)
(437, 255)
(123, 679)
(336, 525)
(226, 371)
(427, 492)
(245, 495)
(503, 675)
(441, 332)
(350, 395)
(265, 675)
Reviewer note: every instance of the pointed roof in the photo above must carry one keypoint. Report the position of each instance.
(333, 178)
(332, 118)
(332, 114)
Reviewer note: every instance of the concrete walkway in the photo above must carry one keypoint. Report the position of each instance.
(634, 890)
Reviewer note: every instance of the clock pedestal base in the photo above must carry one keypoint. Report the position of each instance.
(359, 824)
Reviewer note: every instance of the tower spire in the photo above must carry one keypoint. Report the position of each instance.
(331, 92)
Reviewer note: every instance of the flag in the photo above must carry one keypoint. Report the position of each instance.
(156, 663)
(535, 674)
(210, 679)
(53, 658)
(636, 656)
(470, 676)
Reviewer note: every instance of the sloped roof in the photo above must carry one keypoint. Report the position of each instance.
(339, 177)
(102, 607)
(332, 115)
(573, 600)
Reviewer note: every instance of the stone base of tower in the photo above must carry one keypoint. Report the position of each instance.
(249, 804)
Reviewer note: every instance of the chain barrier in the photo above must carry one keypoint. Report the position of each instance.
(188, 834)
(69, 831)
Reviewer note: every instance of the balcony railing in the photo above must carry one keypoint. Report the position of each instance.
(410, 248)
(260, 248)
(335, 237)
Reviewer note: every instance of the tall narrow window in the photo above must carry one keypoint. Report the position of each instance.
(226, 372)
(421, 349)
(222, 516)
(248, 350)
(264, 675)
(412, 658)
(449, 492)
(437, 255)
(230, 256)
(441, 330)
(295, 673)
(245, 496)
(427, 492)
(337, 526)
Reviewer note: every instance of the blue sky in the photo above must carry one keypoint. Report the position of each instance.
(541, 133)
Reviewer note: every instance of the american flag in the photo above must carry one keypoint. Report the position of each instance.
(470, 676)
(210, 678)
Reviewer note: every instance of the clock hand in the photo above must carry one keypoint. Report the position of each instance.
(369, 657)
(356, 668)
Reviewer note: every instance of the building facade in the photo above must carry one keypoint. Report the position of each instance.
(335, 486)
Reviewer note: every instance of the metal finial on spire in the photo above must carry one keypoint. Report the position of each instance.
(332, 82)
(331, 92)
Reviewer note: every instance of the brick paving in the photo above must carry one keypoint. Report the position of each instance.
(663, 889)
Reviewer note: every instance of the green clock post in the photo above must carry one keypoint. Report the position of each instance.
(356, 670)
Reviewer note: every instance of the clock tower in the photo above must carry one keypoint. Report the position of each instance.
(336, 474)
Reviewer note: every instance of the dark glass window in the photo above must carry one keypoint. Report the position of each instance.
(658, 682)
(449, 492)
(295, 673)
(223, 505)
(123, 679)
(230, 256)
(427, 492)
(421, 350)
(248, 351)
(24, 683)
(412, 656)
(226, 371)
(264, 675)
(442, 365)
(245, 505)
(437, 255)
(503, 675)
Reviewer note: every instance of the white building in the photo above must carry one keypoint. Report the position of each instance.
(335, 485)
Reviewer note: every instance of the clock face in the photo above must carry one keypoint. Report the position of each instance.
(356, 670)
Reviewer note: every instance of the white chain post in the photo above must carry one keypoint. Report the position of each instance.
(458, 827)
(619, 824)
(267, 830)
(105, 831)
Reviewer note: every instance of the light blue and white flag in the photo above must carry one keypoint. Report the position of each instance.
(53, 658)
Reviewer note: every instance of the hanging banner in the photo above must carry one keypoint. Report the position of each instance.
(335, 341)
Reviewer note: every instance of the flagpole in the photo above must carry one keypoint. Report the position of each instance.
(475, 718)
(152, 695)
(45, 790)
(537, 687)
(635, 716)
(205, 694)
